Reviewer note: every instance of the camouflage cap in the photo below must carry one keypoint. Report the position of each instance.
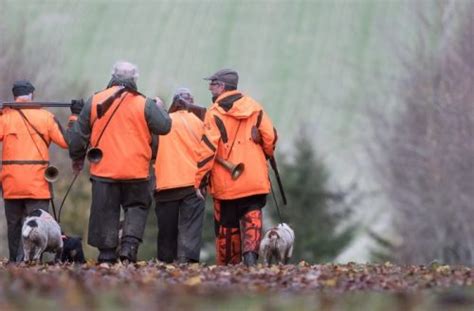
(228, 76)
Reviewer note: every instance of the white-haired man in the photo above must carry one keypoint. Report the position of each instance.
(120, 122)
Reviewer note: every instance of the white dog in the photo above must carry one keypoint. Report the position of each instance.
(277, 243)
(40, 233)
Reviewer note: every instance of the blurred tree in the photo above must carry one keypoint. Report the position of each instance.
(314, 211)
(424, 154)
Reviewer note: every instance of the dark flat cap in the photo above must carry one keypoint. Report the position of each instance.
(22, 87)
(228, 76)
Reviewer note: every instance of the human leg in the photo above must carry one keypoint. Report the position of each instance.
(14, 214)
(191, 216)
(33, 204)
(252, 235)
(135, 201)
(228, 240)
(104, 219)
(167, 218)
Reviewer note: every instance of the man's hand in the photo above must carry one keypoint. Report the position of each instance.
(76, 106)
(77, 166)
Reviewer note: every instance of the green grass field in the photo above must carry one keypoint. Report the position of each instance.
(306, 61)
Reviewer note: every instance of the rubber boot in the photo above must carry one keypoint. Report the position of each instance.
(250, 259)
(107, 255)
(129, 249)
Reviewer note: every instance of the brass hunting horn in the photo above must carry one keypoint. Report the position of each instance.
(51, 174)
(235, 170)
(94, 155)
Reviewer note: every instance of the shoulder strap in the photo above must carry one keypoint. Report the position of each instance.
(110, 119)
(33, 127)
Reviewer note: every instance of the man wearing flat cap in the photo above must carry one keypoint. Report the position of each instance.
(236, 131)
(26, 134)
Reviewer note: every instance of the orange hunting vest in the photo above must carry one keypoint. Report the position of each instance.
(125, 143)
(25, 155)
(176, 161)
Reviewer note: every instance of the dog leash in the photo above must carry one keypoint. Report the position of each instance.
(276, 204)
(65, 196)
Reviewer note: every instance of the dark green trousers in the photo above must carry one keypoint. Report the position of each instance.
(108, 199)
(179, 228)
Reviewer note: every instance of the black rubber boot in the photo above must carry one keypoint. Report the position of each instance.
(129, 249)
(250, 259)
(107, 255)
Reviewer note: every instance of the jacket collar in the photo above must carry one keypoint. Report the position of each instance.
(128, 83)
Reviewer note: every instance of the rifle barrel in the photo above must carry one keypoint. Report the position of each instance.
(274, 166)
(34, 104)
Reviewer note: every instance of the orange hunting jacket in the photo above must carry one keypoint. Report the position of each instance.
(125, 143)
(176, 161)
(227, 134)
(25, 155)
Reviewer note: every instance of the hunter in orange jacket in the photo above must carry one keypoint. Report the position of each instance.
(178, 210)
(26, 134)
(25, 155)
(121, 179)
(231, 128)
(228, 135)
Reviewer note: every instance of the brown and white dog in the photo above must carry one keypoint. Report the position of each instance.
(277, 243)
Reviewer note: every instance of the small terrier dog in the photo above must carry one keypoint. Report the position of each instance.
(40, 233)
(277, 243)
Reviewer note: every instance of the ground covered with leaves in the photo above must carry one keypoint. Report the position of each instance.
(303, 286)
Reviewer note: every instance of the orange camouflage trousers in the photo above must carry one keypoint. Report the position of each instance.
(237, 232)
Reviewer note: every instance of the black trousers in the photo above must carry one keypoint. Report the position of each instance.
(15, 212)
(107, 200)
(180, 228)
(232, 211)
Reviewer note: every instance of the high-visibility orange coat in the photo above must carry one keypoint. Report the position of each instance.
(125, 143)
(227, 134)
(25, 155)
(176, 161)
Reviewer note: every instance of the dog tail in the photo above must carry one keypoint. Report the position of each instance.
(30, 225)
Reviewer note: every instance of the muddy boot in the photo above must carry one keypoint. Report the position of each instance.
(250, 259)
(107, 255)
(129, 249)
